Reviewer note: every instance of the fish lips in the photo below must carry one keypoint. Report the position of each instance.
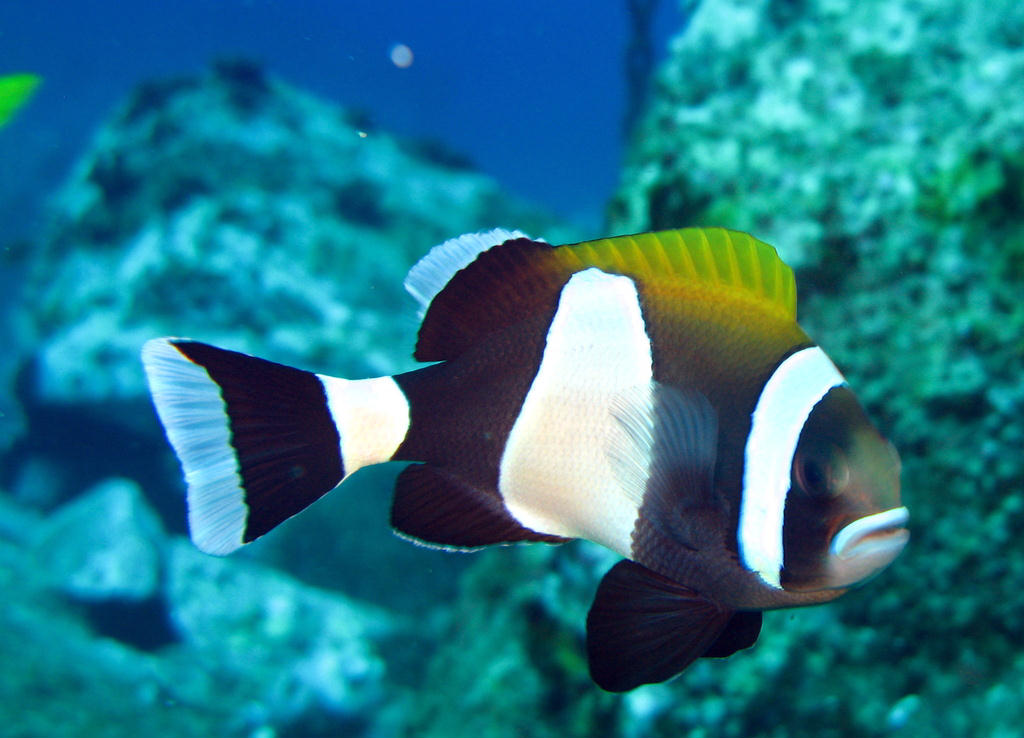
(866, 546)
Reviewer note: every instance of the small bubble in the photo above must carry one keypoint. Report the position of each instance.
(401, 56)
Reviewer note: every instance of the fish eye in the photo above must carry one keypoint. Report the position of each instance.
(813, 477)
(822, 475)
(812, 474)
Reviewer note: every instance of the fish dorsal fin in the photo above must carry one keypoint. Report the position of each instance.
(502, 286)
(430, 274)
(710, 256)
(470, 290)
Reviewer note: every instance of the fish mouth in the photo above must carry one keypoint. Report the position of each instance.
(866, 546)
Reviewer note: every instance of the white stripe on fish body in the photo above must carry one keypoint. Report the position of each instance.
(555, 474)
(790, 394)
(372, 417)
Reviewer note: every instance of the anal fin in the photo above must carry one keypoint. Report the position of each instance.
(644, 628)
(437, 508)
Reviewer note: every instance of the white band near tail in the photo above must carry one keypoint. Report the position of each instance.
(372, 417)
(791, 393)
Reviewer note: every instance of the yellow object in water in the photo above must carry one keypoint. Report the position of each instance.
(15, 90)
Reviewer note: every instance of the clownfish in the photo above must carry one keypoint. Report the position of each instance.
(651, 393)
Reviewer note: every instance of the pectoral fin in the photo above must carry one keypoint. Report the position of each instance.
(644, 628)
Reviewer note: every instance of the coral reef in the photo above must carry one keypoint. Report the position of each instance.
(878, 144)
(863, 118)
(245, 650)
(235, 209)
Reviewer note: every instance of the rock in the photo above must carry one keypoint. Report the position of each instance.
(858, 118)
(18, 523)
(514, 649)
(234, 209)
(878, 145)
(93, 686)
(100, 603)
(38, 480)
(237, 209)
(103, 546)
(309, 651)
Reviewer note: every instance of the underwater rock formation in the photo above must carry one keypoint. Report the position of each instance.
(139, 628)
(861, 117)
(118, 560)
(879, 145)
(238, 209)
(310, 652)
(235, 209)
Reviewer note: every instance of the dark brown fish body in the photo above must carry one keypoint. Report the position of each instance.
(651, 393)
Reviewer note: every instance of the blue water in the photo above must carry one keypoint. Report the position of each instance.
(533, 92)
(906, 212)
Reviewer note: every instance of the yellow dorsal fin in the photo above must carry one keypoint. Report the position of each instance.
(511, 281)
(713, 256)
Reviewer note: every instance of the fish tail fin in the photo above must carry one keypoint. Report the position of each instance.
(260, 441)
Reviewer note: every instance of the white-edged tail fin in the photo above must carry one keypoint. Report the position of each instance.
(196, 423)
(260, 441)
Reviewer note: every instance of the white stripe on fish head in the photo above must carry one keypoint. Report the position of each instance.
(790, 394)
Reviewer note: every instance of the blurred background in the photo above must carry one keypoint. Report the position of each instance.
(261, 175)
